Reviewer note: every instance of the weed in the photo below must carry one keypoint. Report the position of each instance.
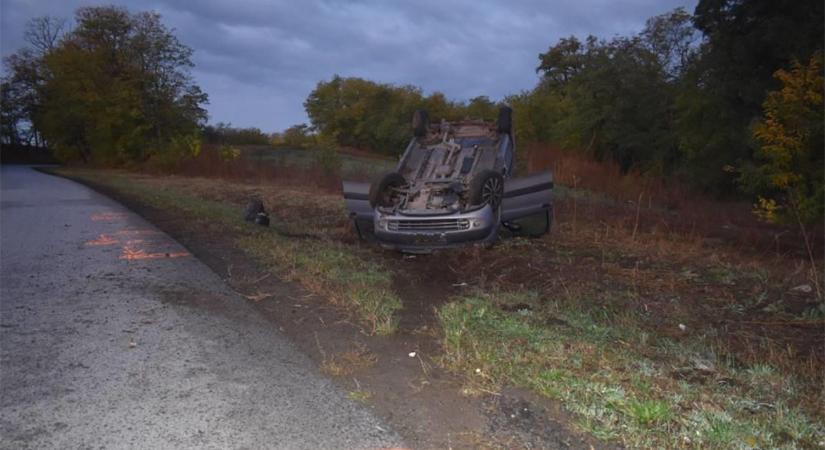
(648, 412)
(359, 395)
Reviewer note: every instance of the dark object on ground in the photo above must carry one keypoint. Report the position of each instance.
(453, 186)
(262, 219)
(253, 208)
(255, 212)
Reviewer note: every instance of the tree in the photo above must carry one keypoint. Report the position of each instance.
(607, 98)
(439, 107)
(673, 39)
(12, 113)
(481, 107)
(298, 136)
(225, 133)
(787, 174)
(116, 89)
(360, 113)
(44, 33)
(26, 76)
(722, 92)
(562, 61)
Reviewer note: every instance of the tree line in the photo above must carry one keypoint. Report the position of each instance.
(225, 133)
(727, 99)
(361, 113)
(116, 89)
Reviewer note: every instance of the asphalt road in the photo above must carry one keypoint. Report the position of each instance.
(113, 336)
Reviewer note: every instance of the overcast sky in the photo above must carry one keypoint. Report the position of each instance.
(258, 59)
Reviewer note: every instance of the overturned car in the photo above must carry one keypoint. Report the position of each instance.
(452, 187)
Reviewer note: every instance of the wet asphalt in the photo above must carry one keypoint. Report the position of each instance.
(113, 336)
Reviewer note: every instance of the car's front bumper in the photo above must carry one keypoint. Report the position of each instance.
(424, 233)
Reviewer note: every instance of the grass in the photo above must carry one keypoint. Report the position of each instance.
(619, 385)
(330, 270)
(323, 266)
(650, 335)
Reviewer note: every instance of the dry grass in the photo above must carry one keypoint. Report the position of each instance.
(210, 164)
(660, 205)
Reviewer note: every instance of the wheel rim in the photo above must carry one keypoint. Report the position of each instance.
(491, 191)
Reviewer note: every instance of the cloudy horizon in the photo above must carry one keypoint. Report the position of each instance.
(259, 60)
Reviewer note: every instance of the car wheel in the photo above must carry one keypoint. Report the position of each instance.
(487, 188)
(381, 191)
(420, 123)
(505, 120)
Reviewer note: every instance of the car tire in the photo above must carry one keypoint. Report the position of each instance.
(505, 120)
(420, 123)
(487, 187)
(262, 219)
(379, 190)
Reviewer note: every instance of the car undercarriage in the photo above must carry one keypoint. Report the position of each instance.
(451, 187)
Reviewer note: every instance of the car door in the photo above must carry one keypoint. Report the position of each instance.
(526, 197)
(357, 201)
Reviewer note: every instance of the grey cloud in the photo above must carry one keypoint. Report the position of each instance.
(259, 59)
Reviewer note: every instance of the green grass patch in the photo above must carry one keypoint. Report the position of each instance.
(332, 270)
(619, 386)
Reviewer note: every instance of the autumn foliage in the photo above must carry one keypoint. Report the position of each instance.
(789, 175)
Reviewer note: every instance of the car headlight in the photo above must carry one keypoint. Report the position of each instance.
(382, 224)
(477, 223)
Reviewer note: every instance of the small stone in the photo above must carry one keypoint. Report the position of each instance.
(805, 288)
(682, 327)
(412, 354)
